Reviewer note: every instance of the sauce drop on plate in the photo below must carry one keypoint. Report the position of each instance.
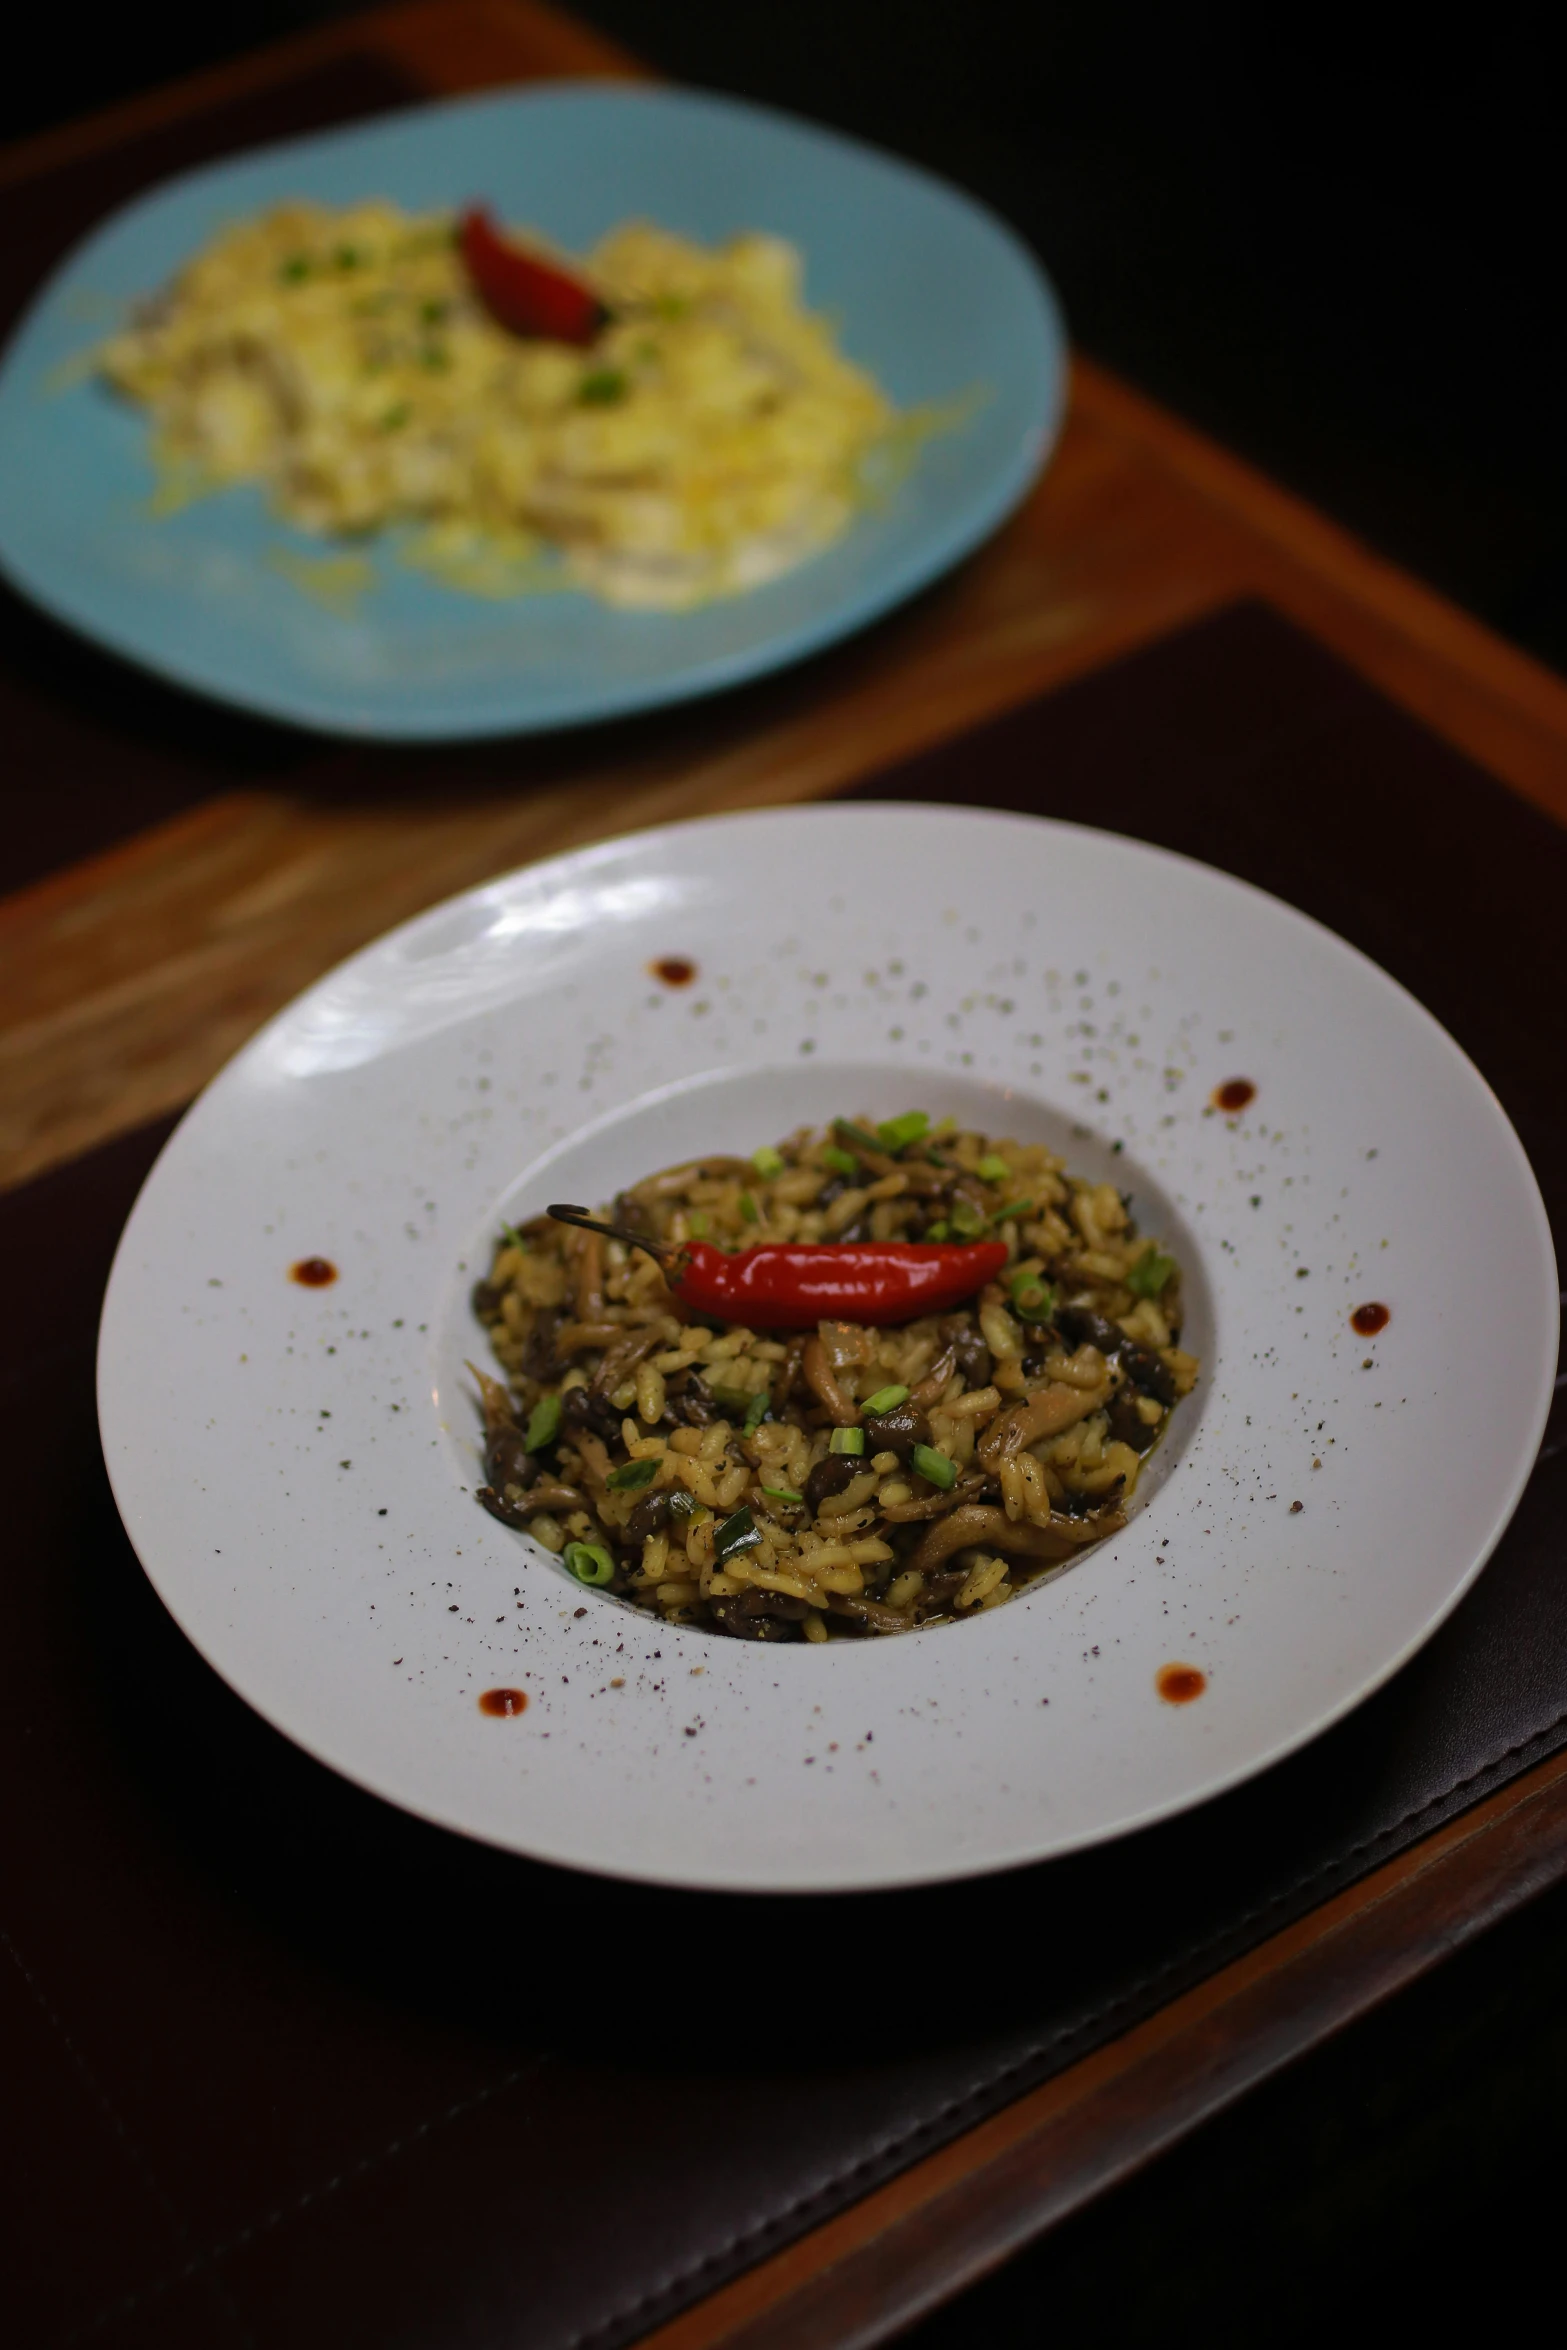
(1234, 1094)
(674, 970)
(1367, 1320)
(504, 1702)
(1179, 1684)
(313, 1272)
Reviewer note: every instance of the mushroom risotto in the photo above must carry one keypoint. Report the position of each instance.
(868, 1379)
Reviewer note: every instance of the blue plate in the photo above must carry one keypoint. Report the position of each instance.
(933, 294)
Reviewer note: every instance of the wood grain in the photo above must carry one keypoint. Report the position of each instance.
(129, 980)
(940, 2225)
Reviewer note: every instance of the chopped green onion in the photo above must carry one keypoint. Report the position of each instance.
(543, 1423)
(590, 1562)
(841, 1162)
(885, 1399)
(631, 1476)
(513, 1238)
(756, 1413)
(1033, 1300)
(933, 1466)
(736, 1533)
(602, 387)
(895, 1134)
(968, 1222)
(733, 1402)
(697, 1223)
(947, 1125)
(347, 258)
(993, 1169)
(749, 1210)
(941, 1231)
(1151, 1273)
(1016, 1207)
(767, 1162)
(434, 313)
(855, 1136)
(784, 1493)
(683, 1505)
(295, 269)
(846, 1440)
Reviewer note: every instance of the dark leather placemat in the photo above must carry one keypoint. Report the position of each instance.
(285, 2068)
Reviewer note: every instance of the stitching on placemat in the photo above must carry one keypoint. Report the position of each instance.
(143, 2168)
(283, 2211)
(827, 2190)
(984, 2089)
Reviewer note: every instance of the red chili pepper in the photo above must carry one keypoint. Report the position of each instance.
(522, 293)
(778, 1287)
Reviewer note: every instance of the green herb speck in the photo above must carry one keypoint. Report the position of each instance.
(1151, 1274)
(543, 1423)
(736, 1533)
(631, 1476)
(933, 1466)
(602, 387)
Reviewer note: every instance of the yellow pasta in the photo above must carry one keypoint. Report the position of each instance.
(711, 437)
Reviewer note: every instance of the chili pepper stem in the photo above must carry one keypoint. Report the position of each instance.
(662, 1252)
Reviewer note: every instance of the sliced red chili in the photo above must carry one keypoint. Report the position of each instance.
(525, 295)
(782, 1287)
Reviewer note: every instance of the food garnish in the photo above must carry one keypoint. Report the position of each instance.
(792, 1288)
(525, 295)
(774, 1460)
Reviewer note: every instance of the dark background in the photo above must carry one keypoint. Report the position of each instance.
(1333, 239)
(1331, 236)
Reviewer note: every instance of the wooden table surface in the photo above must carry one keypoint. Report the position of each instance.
(130, 978)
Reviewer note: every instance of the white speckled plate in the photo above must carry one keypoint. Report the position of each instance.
(295, 1465)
